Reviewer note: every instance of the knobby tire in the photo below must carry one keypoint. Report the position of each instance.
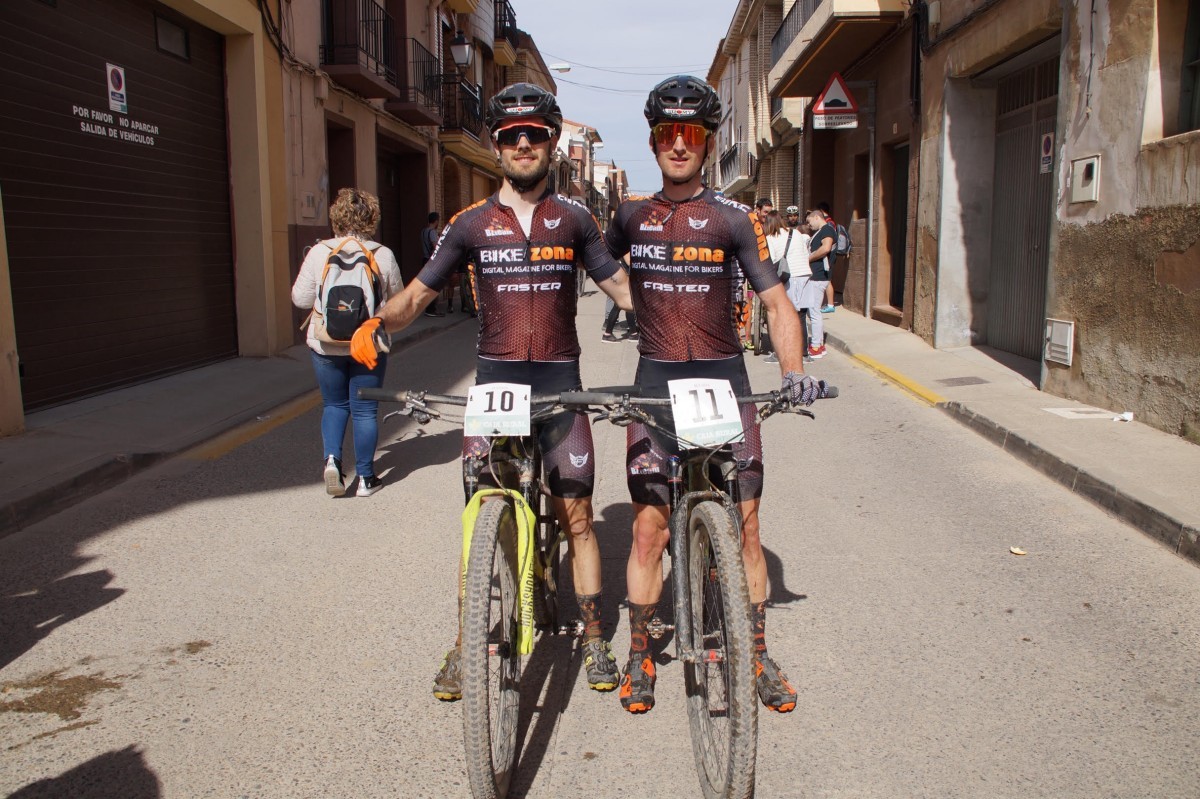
(721, 699)
(491, 682)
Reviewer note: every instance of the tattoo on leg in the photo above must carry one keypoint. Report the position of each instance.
(639, 619)
(589, 614)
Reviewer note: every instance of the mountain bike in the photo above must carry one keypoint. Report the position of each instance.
(714, 637)
(513, 549)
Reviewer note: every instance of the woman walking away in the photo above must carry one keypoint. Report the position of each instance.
(342, 279)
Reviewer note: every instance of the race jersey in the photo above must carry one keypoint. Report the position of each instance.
(525, 286)
(682, 271)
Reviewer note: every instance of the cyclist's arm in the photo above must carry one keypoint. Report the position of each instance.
(754, 255)
(398, 312)
(607, 272)
(784, 324)
(617, 287)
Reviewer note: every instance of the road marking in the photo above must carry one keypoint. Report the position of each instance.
(245, 433)
(931, 398)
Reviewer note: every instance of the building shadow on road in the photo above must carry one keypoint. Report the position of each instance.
(122, 774)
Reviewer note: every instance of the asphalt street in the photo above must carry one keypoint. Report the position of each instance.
(219, 627)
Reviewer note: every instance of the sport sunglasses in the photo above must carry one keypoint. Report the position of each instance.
(508, 137)
(665, 133)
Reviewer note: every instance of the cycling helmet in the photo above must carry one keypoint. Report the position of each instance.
(684, 99)
(523, 100)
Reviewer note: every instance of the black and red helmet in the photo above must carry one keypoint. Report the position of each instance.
(523, 100)
(684, 99)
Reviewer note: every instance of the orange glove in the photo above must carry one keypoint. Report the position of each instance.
(368, 341)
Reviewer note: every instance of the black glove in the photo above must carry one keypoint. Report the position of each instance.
(785, 278)
(802, 389)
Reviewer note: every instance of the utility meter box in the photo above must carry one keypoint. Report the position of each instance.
(1085, 179)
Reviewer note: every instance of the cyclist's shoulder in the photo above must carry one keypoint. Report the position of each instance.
(471, 211)
(576, 210)
(726, 205)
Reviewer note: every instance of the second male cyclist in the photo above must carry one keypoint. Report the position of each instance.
(525, 242)
(682, 244)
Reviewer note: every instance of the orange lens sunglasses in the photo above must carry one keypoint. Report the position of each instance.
(665, 134)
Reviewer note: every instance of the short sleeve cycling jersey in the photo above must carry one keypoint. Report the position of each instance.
(525, 286)
(682, 271)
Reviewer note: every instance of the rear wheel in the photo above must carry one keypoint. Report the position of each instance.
(491, 666)
(721, 700)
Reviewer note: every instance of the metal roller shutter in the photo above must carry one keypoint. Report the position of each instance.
(119, 235)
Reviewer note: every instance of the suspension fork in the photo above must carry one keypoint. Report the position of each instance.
(681, 509)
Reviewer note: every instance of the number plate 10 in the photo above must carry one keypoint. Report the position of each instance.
(706, 412)
(497, 409)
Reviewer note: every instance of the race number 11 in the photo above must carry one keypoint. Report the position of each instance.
(706, 412)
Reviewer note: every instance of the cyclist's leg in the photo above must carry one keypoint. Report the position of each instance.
(647, 480)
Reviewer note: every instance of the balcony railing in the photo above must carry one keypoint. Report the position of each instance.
(461, 106)
(424, 79)
(506, 21)
(789, 29)
(736, 163)
(359, 33)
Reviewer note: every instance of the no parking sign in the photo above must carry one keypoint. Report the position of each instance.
(1047, 154)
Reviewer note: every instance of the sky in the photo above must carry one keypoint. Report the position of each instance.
(618, 50)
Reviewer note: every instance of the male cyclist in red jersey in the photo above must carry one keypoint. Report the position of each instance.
(525, 243)
(682, 242)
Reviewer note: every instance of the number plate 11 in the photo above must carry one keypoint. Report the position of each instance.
(497, 409)
(706, 412)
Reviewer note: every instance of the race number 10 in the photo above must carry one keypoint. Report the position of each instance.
(497, 409)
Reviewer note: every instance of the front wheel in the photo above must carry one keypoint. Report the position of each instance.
(491, 667)
(721, 700)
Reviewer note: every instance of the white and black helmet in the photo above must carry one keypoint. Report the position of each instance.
(523, 100)
(684, 99)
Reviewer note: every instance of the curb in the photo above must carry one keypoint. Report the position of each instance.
(1182, 538)
(114, 469)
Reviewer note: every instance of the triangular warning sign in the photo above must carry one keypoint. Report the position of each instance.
(836, 99)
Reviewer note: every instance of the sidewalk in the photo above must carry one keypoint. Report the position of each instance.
(73, 451)
(1147, 478)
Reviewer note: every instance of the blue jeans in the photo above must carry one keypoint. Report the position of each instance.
(340, 377)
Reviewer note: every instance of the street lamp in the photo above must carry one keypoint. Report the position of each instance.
(460, 50)
(560, 67)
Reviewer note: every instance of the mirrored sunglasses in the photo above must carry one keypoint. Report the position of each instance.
(665, 133)
(508, 137)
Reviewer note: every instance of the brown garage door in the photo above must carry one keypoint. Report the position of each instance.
(118, 223)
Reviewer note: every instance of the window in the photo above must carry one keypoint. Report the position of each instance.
(1189, 97)
(172, 38)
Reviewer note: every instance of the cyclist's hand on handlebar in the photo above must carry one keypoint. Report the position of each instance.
(802, 389)
(368, 341)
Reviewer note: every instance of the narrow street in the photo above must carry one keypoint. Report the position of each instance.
(222, 628)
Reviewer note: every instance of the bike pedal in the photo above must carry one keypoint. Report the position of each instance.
(576, 629)
(657, 629)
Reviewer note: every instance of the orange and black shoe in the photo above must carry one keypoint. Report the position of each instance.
(774, 690)
(637, 686)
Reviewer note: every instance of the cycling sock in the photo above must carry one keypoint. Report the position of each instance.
(589, 614)
(758, 615)
(639, 619)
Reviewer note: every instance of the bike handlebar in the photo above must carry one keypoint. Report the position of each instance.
(604, 396)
